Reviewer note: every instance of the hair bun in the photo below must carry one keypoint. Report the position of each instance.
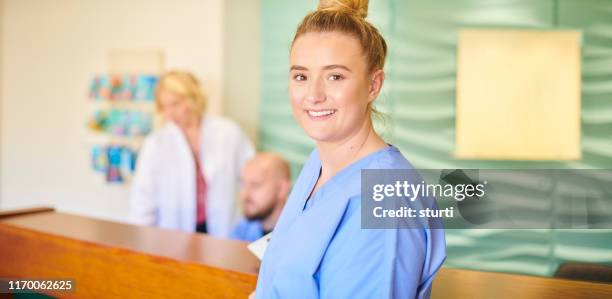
(356, 7)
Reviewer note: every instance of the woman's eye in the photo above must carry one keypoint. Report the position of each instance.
(335, 77)
(299, 77)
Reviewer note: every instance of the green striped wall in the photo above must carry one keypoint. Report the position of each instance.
(419, 100)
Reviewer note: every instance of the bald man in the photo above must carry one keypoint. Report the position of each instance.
(266, 184)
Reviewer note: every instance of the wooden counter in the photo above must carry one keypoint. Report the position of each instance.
(459, 283)
(115, 260)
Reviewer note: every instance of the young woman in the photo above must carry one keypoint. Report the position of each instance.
(318, 249)
(188, 171)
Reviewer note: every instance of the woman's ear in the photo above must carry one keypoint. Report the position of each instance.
(378, 78)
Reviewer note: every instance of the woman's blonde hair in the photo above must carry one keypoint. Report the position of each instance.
(184, 84)
(347, 16)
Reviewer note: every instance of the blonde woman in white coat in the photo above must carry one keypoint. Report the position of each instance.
(188, 171)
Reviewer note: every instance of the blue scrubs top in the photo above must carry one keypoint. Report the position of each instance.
(247, 230)
(318, 249)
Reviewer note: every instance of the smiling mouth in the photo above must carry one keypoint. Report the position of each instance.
(320, 114)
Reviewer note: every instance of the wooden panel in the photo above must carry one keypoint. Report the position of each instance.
(197, 248)
(123, 261)
(455, 283)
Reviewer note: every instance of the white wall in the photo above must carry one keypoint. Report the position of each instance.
(48, 52)
(242, 63)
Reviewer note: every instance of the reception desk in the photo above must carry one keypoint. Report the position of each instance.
(113, 260)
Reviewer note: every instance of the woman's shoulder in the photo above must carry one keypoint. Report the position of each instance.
(389, 158)
(164, 132)
(156, 140)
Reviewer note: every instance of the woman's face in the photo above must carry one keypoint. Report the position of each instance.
(330, 86)
(176, 108)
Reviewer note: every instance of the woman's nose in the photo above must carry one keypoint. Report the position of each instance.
(316, 92)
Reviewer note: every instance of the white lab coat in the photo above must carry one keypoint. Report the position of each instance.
(164, 186)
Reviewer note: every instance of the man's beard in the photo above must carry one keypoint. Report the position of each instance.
(262, 214)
